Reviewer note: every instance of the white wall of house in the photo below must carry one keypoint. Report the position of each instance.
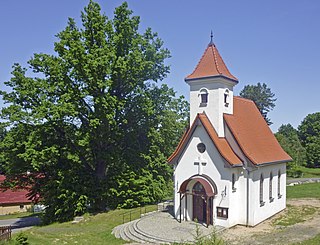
(215, 107)
(14, 208)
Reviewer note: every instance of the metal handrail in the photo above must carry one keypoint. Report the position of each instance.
(129, 213)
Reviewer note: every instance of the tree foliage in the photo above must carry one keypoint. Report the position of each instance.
(262, 97)
(309, 133)
(288, 138)
(89, 126)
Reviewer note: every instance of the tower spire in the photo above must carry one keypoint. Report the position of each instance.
(211, 38)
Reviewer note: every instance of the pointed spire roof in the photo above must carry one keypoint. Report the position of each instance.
(211, 65)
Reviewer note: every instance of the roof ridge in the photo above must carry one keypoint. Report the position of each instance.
(243, 99)
(215, 59)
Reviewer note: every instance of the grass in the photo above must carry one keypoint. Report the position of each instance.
(310, 190)
(295, 214)
(310, 172)
(94, 229)
(17, 215)
(313, 241)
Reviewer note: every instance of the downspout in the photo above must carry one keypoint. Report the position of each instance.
(180, 207)
(247, 208)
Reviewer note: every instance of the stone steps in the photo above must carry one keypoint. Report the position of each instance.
(148, 236)
(131, 233)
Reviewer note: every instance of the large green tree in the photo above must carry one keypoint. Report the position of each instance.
(288, 138)
(309, 133)
(262, 96)
(89, 126)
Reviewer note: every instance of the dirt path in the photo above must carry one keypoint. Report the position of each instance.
(265, 233)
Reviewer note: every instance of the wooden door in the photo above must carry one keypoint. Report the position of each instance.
(199, 209)
(199, 205)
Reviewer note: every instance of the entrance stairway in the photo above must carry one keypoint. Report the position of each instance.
(130, 232)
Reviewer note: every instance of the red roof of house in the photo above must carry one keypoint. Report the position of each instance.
(211, 65)
(253, 135)
(221, 143)
(8, 196)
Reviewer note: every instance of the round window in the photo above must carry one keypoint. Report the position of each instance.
(201, 147)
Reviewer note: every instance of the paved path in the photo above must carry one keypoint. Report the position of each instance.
(20, 223)
(161, 227)
(302, 180)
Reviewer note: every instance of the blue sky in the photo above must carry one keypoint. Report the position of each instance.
(275, 42)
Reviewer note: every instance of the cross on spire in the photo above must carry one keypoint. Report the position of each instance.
(211, 39)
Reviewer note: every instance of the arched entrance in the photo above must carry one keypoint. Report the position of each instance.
(202, 189)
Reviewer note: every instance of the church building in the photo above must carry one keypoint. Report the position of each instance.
(229, 168)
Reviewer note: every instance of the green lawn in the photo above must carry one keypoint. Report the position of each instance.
(310, 172)
(94, 229)
(310, 190)
(17, 215)
(312, 241)
(294, 215)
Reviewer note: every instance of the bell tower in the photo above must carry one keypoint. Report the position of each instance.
(211, 88)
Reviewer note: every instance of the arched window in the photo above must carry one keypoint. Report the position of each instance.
(279, 184)
(198, 189)
(270, 187)
(233, 182)
(203, 97)
(261, 190)
(226, 98)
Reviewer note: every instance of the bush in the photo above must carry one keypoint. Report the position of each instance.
(21, 239)
(294, 172)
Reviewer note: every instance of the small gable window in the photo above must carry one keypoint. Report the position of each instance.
(201, 147)
(226, 98)
(203, 97)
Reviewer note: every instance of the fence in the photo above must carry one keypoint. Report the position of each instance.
(5, 233)
(136, 213)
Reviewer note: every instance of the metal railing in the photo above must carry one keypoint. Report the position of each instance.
(5, 233)
(136, 213)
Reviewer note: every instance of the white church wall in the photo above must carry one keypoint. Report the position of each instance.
(259, 212)
(215, 168)
(237, 198)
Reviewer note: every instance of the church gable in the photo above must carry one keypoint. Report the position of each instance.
(220, 144)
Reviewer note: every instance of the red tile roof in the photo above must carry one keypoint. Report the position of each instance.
(221, 143)
(253, 135)
(211, 65)
(8, 196)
